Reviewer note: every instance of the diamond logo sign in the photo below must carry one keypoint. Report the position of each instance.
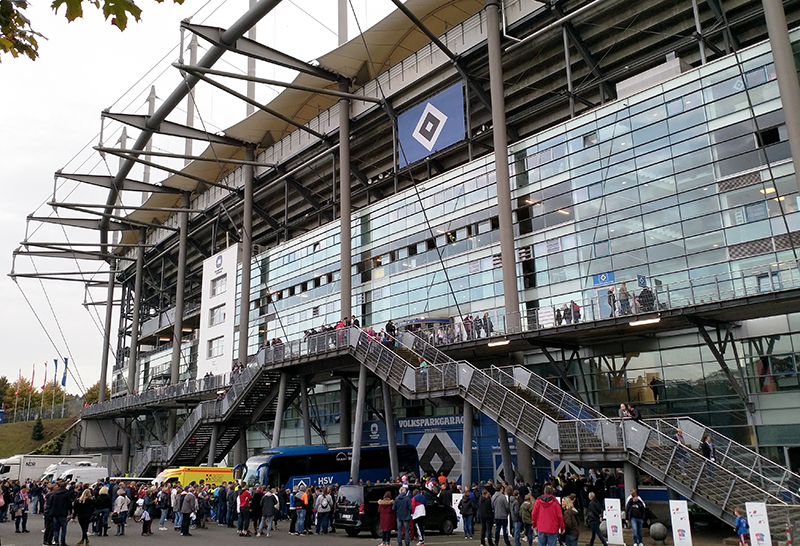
(429, 126)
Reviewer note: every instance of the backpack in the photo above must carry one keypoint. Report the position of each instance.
(324, 504)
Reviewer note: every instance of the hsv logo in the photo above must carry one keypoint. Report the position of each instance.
(682, 533)
(615, 529)
(760, 537)
(429, 126)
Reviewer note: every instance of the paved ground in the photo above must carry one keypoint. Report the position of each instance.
(218, 536)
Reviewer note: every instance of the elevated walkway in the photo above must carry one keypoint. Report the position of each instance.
(554, 423)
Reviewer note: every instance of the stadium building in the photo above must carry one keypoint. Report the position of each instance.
(562, 207)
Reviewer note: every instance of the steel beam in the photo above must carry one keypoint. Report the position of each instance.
(256, 50)
(304, 408)
(253, 102)
(226, 39)
(101, 394)
(276, 430)
(190, 157)
(278, 83)
(505, 451)
(171, 128)
(466, 447)
(723, 365)
(361, 402)
(391, 435)
(105, 181)
(137, 304)
(345, 241)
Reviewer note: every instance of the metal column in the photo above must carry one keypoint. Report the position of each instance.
(101, 395)
(247, 255)
(466, 448)
(251, 69)
(509, 266)
(786, 71)
(629, 473)
(505, 451)
(190, 103)
(568, 66)
(137, 304)
(345, 413)
(177, 331)
(391, 435)
(242, 445)
(361, 403)
(212, 448)
(276, 430)
(699, 30)
(306, 413)
(344, 196)
(126, 449)
(342, 26)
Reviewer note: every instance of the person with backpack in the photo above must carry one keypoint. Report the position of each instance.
(466, 507)
(634, 513)
(324, 506)
(120, 515)
(162, 502)
(269, 509)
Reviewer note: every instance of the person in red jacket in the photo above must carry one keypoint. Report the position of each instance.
(547, 518)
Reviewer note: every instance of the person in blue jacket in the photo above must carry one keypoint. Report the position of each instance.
(402, 510)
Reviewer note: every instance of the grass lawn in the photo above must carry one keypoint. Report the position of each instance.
(16, 437)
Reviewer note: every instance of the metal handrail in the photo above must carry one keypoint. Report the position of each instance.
(726, 456)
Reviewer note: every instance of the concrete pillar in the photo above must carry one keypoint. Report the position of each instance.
(361, 404)
(504, 216)
(466, 448)
(101, 396)
(524, 461)
(306, 413)
(247, 255)
(699, 30)
(137, 307)
(345, 414)
(276, 430)
(190, 104)
(391, 436)
(786, 71)
(344, 200)
(242, 445)
(505, 451)
(629, 473)
(212, 448)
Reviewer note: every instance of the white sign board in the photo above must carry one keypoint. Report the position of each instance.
(759, 524)
(614, 522)
(459, 520)
(679, 515)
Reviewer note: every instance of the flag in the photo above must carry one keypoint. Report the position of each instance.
(45, 375)
(64, 378)
(33, 374)
(19, 382)
(55, 373)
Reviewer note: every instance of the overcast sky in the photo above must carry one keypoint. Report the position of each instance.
(50, 119)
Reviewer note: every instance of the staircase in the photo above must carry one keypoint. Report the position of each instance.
(251, 397)
(559, 426)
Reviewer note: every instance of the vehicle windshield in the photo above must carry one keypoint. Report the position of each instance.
(350, 495)
(254, 472)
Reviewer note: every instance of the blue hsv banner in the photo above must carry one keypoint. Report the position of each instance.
(431, 126)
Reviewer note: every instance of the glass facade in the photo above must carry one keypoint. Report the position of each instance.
(690, 179)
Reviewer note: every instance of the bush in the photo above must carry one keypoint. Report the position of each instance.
(38, 430)
(53, 447)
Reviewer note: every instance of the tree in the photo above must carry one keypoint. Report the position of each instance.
(38, 430)
(93, 392)
(18, 37)
(3, 389)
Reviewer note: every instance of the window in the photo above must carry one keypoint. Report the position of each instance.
(215, 347)
(755, 211)
(590, 139)
(602, 248)
(219, 285)
(675, 107)
(770, 136)
(216, 315)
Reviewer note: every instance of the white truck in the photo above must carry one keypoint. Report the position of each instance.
(24, 467)
(85, 474)
(53, 471)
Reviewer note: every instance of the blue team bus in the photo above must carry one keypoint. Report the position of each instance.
(320, 465)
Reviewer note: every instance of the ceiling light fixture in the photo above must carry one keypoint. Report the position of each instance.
(645, 322)
(499, 343)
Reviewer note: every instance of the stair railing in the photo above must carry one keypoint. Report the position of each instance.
(740, 459)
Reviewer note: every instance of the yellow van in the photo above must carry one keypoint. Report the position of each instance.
(188, 474)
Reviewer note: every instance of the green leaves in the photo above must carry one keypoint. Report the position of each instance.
(17, 37)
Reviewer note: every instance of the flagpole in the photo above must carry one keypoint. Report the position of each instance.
(63, 401)
(28, 414)
(55, 377)
(16, 399)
